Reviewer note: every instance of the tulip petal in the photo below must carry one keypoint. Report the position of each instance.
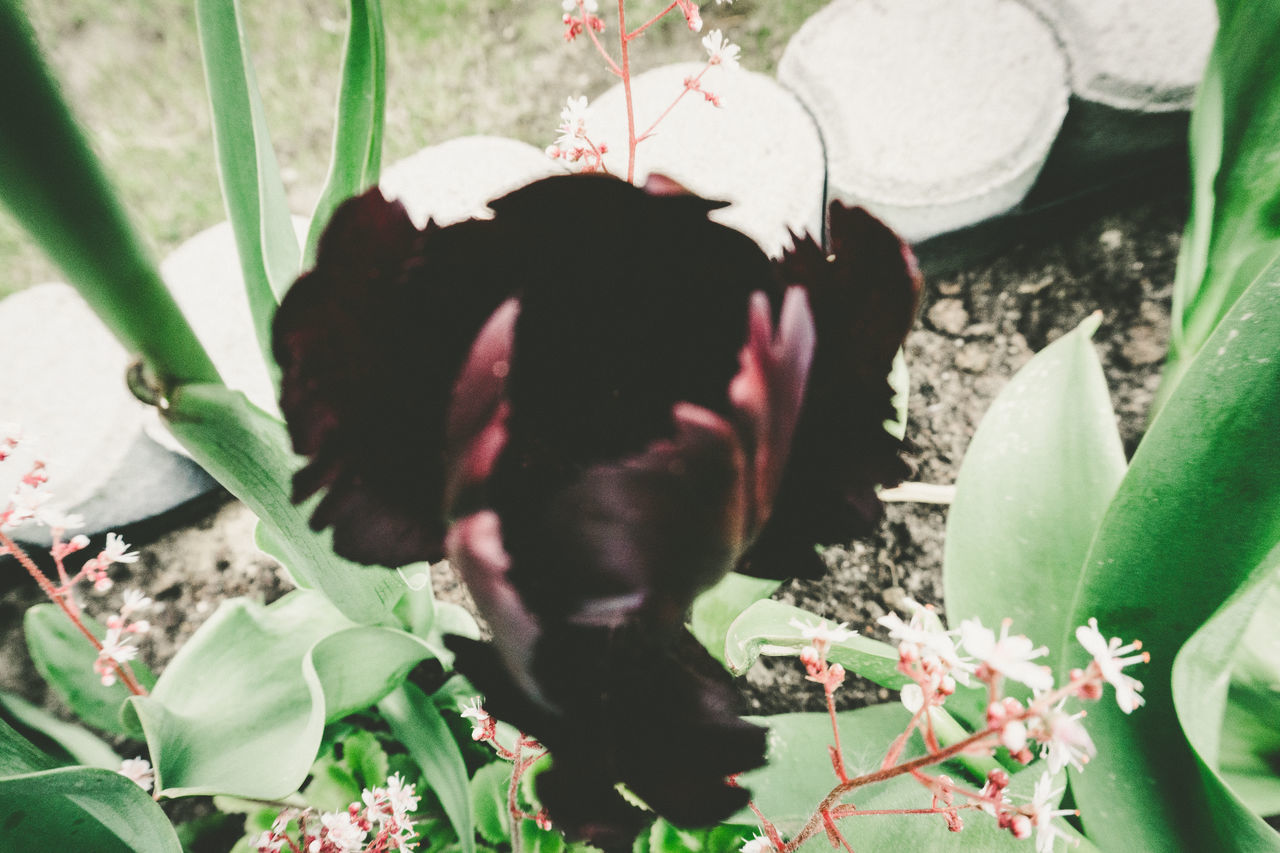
(863, 297)
(369, 343)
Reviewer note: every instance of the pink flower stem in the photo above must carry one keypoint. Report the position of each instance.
(513, 806)
(624, 43)
(591, 33)
(58, 598)
(837, 754)
(687, 89)
(640, 29)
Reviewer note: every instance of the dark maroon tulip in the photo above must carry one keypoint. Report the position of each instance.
(596, 404)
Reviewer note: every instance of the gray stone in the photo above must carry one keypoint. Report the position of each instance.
(66, 387)
(1135, 55)
(948, 316)
(760, 150)
(936, 114)
(455, 180)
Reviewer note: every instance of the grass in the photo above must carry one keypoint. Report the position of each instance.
(131, 70)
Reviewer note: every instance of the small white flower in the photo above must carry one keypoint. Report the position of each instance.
(759, 844)
(1009, 656)
(401, 796)
(822, 632)
(721, 51)
(1014, 736)
(56, 519)
(479, 718)
(134, 601)
(1063, 740)
(117, 649)
(1110, 656)
(342, 832)
(117, 550)
(268, 843)
(571, 6)
(26, 503)
(139, 770)
(1042, 801)
(930, 639)
(573, 120)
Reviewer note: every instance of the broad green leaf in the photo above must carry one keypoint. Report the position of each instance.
(254, 687)
(1193, 520)
(1249, 750)
(64, 659)
(664, 837)
(82, 809)
(1234, 231)
(799, 775)
(55, 186)
(1035, 482)
(1201, 677)
(19, 755)
(80, 745)
(357, 135)
(248, 451)
(247, 167)
(416, 722)
(338, 782)
(489, 801)
(714, 611)
(766, 627)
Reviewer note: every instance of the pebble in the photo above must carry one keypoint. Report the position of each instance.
(973, 358)
(936, 114)
(949, 316)
(760, 150)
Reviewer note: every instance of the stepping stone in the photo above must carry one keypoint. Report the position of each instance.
(456, 180)
(936, 114)
(1135, 66)
(67, 391)
(760, 150)
(1134, 55)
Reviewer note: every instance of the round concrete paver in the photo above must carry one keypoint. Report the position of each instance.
(935, 114)
(455, 180)
(759, 150)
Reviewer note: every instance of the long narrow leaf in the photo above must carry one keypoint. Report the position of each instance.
(248, 451)
(1233, 233)
(55, 186)
(416, 723)
(357, 135)
(247, 167)
(1192, 521)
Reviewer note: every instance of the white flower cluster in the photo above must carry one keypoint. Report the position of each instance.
(381, 824)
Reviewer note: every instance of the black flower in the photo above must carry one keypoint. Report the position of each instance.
(596, 404)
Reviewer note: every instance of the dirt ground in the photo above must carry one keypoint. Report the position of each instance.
(975, 329)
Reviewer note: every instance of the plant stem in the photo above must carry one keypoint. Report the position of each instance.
(623, 41)
(640, 29)
(122, 669)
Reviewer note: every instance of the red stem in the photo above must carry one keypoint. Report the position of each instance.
(623, 42)
(122, 670)
(640, 29)
(670, 107)
(837, 754)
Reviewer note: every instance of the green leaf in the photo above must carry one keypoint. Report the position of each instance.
(714, 611)
(489, 801)
(55, 186)
(237, 711)
(766, 628)
(1193, 520)
(247, 167)
(667, 838)
(80, 745)
(416, 723)
(81, 808)
(64, 658)
(1234, 229)
(19, 755)
(900, 381)
(248, 451)
(1035, 482)
(798, 776)
(1249, 750)
(357, 135)
(241, 708)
